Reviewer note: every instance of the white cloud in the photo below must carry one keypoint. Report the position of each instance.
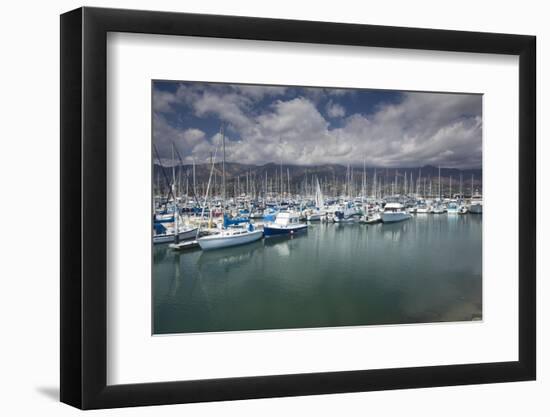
(258, 92)
(335, 110)
(228, 107)
(422, 128)
(187, 141)
(162, 101)
(339, 91)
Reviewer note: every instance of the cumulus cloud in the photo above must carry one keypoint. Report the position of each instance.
(188, 142)
(259, 91)
(335, 110)
(268, 124)
(162, 101)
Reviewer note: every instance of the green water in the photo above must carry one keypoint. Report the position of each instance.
(427, 269)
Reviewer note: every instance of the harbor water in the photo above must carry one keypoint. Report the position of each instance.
(423, 270)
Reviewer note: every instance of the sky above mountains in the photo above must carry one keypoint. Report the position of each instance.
(313, 126)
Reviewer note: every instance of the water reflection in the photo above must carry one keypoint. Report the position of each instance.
(229, 257)
(422, 270)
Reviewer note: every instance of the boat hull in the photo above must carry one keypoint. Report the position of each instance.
(169, 237)
(376, 218)
(270, 231)
(395, 217)
(348, 220)
(313, 217)
(220, 242)
(475, 208)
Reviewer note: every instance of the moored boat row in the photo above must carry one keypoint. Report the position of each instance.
(218, 221)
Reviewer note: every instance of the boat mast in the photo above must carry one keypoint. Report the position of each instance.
(173, 174)
(223, 162)
(364, 190)
(424, 187)
(158, 182)
(206, 196)
(194, 179)
(374, 186)
(281, 181)
(439, 183)
(288, 179)
(419, 181)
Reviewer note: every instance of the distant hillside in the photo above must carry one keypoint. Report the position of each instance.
(298, 177)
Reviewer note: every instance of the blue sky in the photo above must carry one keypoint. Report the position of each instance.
(310, 126)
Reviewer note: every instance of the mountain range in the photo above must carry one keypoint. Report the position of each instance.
(325, 172)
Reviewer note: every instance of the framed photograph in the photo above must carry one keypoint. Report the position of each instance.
(257, 208)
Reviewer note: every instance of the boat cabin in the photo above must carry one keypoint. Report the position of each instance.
(393, 207)
(287, 218)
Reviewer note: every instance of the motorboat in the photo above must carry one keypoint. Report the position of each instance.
(346, 213)
(476, 204)
(371, 218)
(453, 207)
(438, 209)
(286, 223)
(423, 208)
(315, 215)
(395, 212)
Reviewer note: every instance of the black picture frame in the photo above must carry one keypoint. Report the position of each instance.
(84, 207)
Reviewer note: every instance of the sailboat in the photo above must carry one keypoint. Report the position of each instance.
(438, 207)
(423, 208)
(232, 236)
(167, 234)
(166, 224)
(230, 233)
(319, 211)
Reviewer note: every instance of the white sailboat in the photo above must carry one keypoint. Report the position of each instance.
(438, 209)
(319, 211)
(423, 207)
(232, 236)
(166, 226)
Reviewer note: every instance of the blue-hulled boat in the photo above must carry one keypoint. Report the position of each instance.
(286, 223)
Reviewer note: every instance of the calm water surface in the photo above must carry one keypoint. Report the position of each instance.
(427, 269)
